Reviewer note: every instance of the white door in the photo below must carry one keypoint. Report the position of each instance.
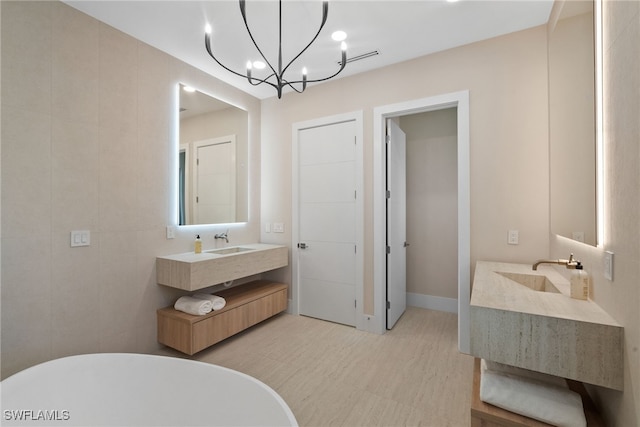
(214, 180)
(327, 222)
(396, 223)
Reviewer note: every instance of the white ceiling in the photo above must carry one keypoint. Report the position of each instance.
(399, 30)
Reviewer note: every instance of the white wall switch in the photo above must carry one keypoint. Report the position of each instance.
(278, 227)
(608, 265)
(512, 237)
(80, 238)
(171, 232)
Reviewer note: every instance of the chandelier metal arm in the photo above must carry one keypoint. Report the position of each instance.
(325, 13)
(243, 12)
(207, 43)
(344, 63)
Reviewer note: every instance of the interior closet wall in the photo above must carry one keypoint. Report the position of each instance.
(432, 206)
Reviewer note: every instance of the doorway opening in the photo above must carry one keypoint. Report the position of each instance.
(459, 101)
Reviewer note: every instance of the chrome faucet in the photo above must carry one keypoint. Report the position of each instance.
(570, 263)
(224, 236)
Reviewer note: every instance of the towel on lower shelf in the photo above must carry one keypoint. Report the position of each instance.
(531, 394)
(194, 306)
(217, 303)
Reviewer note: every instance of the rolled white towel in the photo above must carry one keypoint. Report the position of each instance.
(533, 396)
(194, 306)
(217, 303)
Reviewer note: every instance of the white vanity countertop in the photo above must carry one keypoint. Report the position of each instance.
(191, 271)
(493, 290)
(192, 257)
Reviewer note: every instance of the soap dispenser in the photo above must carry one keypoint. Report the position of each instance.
(579, 283)
(198, 245)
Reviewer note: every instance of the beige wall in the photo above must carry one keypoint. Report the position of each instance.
(432, 202)
(87, 124)
(507, 81)
(620, 297)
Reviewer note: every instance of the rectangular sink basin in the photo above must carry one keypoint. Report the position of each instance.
(227, 251)
(527, 319)
(535, 282)
(190, 271)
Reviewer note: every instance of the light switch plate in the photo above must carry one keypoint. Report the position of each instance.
(80, 238)
(608, 265)
(278, 227)
(513, 237)
(171, 232)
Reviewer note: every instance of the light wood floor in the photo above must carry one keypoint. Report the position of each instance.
(331, 374)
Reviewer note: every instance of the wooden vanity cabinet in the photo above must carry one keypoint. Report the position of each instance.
(247, 305)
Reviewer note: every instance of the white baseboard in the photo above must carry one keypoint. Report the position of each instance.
(430, 302)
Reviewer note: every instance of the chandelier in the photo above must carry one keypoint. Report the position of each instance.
(277, 77)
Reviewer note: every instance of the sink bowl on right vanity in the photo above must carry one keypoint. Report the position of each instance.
(527, 319)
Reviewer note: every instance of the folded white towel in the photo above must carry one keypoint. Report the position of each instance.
(532, 397)
(194, 306)
(217, 303)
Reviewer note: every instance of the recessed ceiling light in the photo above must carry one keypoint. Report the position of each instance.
(339, 36)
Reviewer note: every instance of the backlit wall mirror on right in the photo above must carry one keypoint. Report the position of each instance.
(213, 153)
(572, 122)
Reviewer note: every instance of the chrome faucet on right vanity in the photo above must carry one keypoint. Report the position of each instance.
(570, 263)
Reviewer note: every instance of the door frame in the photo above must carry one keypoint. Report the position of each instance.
(357, 117)
(460, 100)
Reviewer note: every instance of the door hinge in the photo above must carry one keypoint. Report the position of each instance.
(388, 305)
(197, 199)
(197, 162)
(355, 303)
(388, 139)
(355, 249)
(388, 249)
(355, 194)
(388, 194)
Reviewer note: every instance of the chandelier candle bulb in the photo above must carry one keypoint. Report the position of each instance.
(304, 78)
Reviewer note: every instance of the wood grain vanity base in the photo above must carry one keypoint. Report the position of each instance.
(246, 306)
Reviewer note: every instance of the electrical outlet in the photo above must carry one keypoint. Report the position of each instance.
(278, 227)
(608, 265)
(512, 237)
(171, 232)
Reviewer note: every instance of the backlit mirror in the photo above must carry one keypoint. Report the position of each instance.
(572, 124)
(213, 153)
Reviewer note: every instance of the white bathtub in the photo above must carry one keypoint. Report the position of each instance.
(138, 390)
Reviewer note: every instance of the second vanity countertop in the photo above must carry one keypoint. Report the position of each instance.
(493, 290)
(514, 323)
